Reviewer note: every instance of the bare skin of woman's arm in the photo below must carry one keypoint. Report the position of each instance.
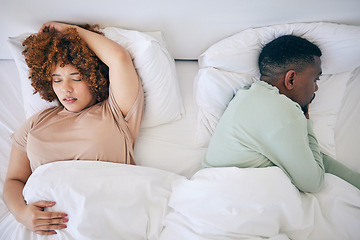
(32, 215)
(122, 74)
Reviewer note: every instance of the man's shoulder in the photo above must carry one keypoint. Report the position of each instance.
(262, 101)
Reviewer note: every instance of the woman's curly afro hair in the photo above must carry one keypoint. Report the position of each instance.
(44, 51)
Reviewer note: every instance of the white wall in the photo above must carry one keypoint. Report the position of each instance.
(189, 26)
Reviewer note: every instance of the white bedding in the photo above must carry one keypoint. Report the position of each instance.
(155, 148)
(173, 150)
(168, 196)
(231, 64)
(233, 203)
(128, 201)
(114, 201)
(12, 115)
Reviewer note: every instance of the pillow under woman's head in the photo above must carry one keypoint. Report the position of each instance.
(155, 66)
(232, 63)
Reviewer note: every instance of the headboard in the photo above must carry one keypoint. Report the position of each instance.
(189, 26)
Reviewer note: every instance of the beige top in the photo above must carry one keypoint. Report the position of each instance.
(99, 133)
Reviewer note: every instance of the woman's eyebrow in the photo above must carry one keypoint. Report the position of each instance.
(57, 75)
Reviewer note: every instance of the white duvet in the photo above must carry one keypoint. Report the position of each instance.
(103, 200)
(233, 203)
(115, 201)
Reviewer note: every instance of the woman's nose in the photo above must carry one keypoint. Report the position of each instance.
(67, 87)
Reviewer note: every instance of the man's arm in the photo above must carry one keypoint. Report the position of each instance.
(338, 169)
(294, 148)
(335, 167)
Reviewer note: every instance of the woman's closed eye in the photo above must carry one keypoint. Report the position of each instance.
(57, 80)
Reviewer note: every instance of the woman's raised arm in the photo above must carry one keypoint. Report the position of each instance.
(123, 77)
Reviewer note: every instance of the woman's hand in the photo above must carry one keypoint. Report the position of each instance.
(33, 216)
(54, 26)
(42, 222)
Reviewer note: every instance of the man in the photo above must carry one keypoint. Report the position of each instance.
(268, 123)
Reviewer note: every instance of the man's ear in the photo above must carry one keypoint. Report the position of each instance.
(289, 79)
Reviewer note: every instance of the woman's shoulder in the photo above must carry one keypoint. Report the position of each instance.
(34, 120)
(44, 113)
(49, 110)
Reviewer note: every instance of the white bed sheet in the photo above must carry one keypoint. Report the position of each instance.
(11, 116)
(173, 147)
(347, 129)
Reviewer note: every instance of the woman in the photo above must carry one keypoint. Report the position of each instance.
(98, 118)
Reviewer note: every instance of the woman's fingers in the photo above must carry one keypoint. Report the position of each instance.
(50, 227)
(45, 232)
(45, 223)
(45, 28)
(44, 204)
(53, 26)
(48, 224)
(52, 218)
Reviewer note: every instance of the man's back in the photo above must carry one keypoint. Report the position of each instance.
(263, 128)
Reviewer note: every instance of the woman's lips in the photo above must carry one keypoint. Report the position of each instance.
(69, 100)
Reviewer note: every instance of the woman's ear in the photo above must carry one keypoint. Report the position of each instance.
(289, 79)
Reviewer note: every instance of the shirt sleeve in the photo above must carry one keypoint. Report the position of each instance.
(20, 136)
(338, 169)
(134, 116)
(294, 148)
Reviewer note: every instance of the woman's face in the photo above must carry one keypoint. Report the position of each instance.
(73, 93)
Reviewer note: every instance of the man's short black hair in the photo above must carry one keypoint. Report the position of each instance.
(285, 53)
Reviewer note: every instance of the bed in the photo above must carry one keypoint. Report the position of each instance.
(192, 57)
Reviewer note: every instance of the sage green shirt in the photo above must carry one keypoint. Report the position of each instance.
(262, 128)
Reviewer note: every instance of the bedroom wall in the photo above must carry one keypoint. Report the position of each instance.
(189, 26)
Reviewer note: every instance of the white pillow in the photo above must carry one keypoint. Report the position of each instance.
(32, 102)
(237, 55)
(155, 66)
(325, 108)
(214, 89)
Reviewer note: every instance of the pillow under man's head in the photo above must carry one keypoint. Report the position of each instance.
(284, 53)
